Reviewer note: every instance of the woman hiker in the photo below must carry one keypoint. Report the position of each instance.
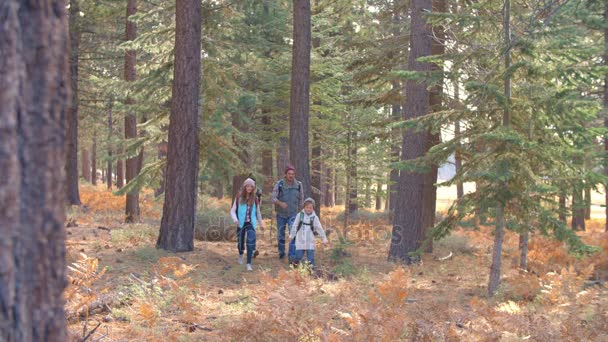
(246, 214)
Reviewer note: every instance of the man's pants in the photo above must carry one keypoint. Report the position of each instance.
(281, 223)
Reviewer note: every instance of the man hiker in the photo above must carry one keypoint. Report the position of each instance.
(288, 198)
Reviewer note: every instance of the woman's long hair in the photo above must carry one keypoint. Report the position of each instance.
(245, 197)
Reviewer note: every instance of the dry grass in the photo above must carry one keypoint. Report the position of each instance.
(206, 295)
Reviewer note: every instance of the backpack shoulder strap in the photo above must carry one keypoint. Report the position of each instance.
(301, 222)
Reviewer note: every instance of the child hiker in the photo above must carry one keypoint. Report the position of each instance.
(304, 229)
(245, 212)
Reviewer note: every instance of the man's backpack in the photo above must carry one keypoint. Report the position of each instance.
(282, 182)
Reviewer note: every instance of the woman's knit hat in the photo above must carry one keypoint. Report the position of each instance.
(310, 200)
(249, 181)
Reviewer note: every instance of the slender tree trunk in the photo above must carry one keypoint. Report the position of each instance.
(71, 166)
(578, 210)
(120, 173)
(457, 155)
(316, 174)
(267, 161)
(329, 181)
(368, 194)
(495, 269)
(282, 156)
(86, 165)
(499, 234)
(587, 200)
(177, 224)
(132, 164)
(109, 173)
(94, 161)
(352, 190)
(523, 246)
(299, 105)
(562, 206)
(338, 200)
(408, 223)
(162, 154)
(379, 195)
(34, 98)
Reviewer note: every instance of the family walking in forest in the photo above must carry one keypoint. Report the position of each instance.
(293, 212)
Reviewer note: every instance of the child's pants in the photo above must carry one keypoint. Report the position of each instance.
(310, 255)
(249, 232)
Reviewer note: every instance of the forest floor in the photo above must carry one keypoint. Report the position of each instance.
(124, 289)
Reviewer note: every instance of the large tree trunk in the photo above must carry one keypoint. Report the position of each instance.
(132, 164)
(109, 164)
(34, 98)
(408, 223)
(86, 165)
(177, 224)
(605, 105)
(435, 105)
(94, 161)
(71, 166)
(299, 104)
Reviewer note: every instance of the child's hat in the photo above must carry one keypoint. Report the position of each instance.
(309, 200)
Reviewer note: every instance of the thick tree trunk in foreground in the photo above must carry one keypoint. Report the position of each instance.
(408, 223)
(179, 210)
(299, 105)
(34, 98)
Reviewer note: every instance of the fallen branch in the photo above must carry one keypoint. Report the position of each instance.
(449, 256)
(90, 333)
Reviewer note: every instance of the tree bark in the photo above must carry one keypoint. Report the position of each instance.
(578, 210)
(330, 200)
(179, 210)
(120, 173)
(562, 206)
(71, 166)
(605, 107)
(282, 156)
(132, 164)
(86, 165)
(587, 200)
(109, 164)
(523, 246)
(267, 161)
(35, 96)
(162, 154)
(495, 269)
(316, 174)
(94, 161)
(408, 223)
(379, 195)
(299, 105)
